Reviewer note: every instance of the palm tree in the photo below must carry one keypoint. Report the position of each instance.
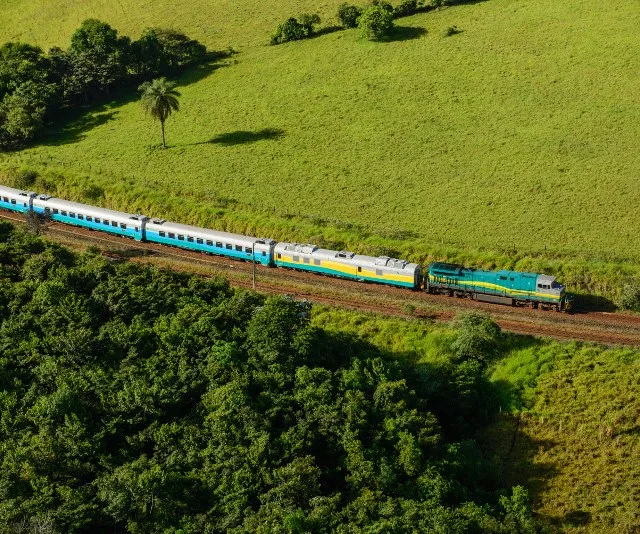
(159, 99)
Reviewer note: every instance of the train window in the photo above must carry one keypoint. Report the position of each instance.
(123, 226)
(296, 258)
(218, 244)
(105, 222)
(209, 243)
(80, 216)
(137, 229)
(55, 211)
(24, 204)
(247, 250)
(172, 235)
(512, 279)
(359, 269)
(264, 253)
(6, 199)
(180, 237)
(306, 260)
(161, 233)
(13, 201)
(279, 255)
(316, 262)
(239, 248)
(378, 272)
(114, 224)
(190, 239)
(199, 241)
(89, 218)
(73, 215)
(62, 212)
(503, 278)
(229, 247)
(539, 286)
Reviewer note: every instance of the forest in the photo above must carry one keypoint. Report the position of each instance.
(135, 399)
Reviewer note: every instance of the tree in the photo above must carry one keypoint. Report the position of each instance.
(98, 59)
(159, 99)
(376, 22)
(348, 15)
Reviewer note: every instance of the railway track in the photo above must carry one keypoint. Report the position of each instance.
(593, 326)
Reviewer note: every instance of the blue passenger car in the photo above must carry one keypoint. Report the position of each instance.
(15, 199)
(85, 216)
(210, 241)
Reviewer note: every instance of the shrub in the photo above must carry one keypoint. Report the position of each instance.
(630, 297)
(294, 30)
(405, 8)
(25, 179)
(348, 15)
(375, 22)
(451, 30)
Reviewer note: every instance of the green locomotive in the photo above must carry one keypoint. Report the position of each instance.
(500, 287)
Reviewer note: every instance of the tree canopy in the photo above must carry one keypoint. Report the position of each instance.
(140, 400)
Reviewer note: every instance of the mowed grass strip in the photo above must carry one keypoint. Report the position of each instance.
(518, 133)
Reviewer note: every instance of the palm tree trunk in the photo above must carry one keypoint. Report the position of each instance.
(164, 145)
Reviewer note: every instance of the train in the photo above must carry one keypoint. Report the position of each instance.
(512, 288)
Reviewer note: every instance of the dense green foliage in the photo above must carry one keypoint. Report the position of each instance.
(295, 29)
(348, 15)
(33, 86)
(376, 21)
(140, 400)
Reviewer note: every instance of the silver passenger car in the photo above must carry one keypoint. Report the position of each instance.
(211, 241)
(345, 264)
(105, 220)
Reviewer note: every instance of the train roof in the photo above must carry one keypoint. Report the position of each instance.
(16, 192)
(346, 256)
(197, 231)
(77, 207)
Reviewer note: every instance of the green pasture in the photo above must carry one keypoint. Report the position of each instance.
(511, 144)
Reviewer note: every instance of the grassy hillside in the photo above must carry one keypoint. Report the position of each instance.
(515, 140)
(573, 409)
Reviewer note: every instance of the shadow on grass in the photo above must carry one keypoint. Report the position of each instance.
(242, 137)
(328, 29)
(405, 33)
(73, 124)
(585, 303)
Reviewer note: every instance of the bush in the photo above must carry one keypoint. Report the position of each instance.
(406, 8)
(348, 15)
(451, 30)
(630, 297)
(294, 30)
(376, 22)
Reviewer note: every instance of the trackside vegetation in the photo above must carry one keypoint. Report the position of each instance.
(140, 400)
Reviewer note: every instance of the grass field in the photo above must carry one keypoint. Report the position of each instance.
(577, 448)
(511, 144)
